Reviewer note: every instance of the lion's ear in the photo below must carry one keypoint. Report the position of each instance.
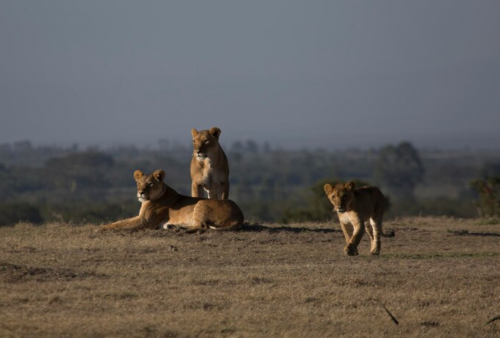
(328, 188)
(194, 132)
(138, 175)
(215, 132)
(350, 186)
(159, 175)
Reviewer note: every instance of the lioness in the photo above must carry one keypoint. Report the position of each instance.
(355, 207)
(162, 207)
(209, 166)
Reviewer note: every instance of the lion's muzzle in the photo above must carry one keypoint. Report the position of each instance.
(142, 197)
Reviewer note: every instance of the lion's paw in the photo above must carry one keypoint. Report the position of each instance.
(168, 226)
(350, 250)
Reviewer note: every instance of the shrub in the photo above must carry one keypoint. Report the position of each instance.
(488, 189)
(13, 213)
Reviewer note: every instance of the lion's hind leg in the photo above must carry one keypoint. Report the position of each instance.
(230, 226)
(216, 215)
(207, 222)
(168, 226)
(376, 225)
(369, 230)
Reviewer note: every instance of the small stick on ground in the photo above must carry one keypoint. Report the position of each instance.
(493, 319)
(390, 315)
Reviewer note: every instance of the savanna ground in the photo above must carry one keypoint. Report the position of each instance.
(439, 277)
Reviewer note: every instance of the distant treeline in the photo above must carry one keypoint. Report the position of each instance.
(42, 184)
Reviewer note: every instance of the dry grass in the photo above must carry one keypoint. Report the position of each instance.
(439, 277)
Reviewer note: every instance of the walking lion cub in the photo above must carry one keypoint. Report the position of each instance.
(162, 207)
(356, 207)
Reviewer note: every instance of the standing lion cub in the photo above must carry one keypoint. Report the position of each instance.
(209, 166)
(162, 207)
(355, 207)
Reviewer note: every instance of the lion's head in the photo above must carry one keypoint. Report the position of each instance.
(205, 142)
(341, 195)
(149, 187)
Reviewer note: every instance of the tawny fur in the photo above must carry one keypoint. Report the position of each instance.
(162, 207)
(359, 208)
(209, 165)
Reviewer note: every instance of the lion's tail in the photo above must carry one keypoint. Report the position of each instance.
(387, 205)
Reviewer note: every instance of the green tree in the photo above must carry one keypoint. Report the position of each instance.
(399, 170)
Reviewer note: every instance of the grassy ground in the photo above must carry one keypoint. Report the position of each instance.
(439, 277)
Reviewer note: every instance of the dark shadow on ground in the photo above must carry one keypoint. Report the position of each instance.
(481, 234)
(257, 227)
(246, 227)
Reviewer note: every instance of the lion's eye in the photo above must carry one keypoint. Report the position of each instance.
(206, 142)
(150, 184)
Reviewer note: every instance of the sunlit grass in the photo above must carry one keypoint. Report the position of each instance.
(437, 276)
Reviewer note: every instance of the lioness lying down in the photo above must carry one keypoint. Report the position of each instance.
(355, 207)
(162, 207)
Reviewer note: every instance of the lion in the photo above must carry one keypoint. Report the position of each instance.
(356, 207)
(163, 207)
(209, 166)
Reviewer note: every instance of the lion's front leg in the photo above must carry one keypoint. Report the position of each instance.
(134, 223)
(197, 190)
(347, 236)
(223, 191)
(219, 191)
(351, 249)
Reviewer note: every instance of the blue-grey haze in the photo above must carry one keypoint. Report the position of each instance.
(294, 73)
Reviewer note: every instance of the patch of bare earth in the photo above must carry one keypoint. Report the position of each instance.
(438, 277)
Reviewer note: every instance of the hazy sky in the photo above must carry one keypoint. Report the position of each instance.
(294, 73)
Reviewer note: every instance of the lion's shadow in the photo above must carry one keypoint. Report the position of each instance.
(480, 234)
(257, 227)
